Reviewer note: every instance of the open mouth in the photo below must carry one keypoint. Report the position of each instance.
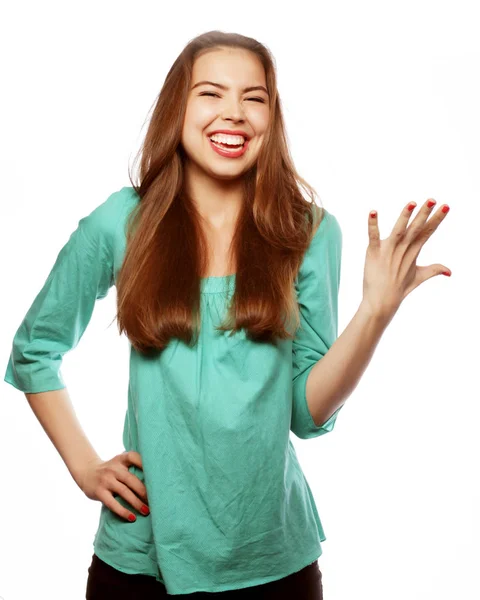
(228, 144)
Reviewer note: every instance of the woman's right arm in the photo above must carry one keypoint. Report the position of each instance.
(54, 324)
(98, 479)
(57, 416)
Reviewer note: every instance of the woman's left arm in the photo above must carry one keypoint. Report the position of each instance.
(390, 275)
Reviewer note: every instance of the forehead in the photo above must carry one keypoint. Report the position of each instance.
(230, 66)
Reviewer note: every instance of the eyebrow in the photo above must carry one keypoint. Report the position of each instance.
(224, 87)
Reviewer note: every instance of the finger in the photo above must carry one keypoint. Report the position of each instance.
(424, 273)
(434, 221)
(134, 483)
(373, 231)
(106, 497)
(422, 228)
(416, 238)
(126, 493)
(133, 458)
(400, 227)
(130, 457)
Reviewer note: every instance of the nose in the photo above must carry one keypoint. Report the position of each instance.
(233, 110)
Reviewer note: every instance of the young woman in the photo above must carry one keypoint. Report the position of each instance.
(227, 284)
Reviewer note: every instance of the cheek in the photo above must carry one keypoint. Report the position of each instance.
(193, 129)
(259, 121)
(200, 116)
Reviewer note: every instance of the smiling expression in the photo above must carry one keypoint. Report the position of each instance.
(228, 92)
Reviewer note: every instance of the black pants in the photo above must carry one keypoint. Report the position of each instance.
(107, 583)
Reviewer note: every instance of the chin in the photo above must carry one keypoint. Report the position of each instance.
(226, 176)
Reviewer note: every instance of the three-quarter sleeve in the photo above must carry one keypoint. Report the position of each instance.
(55, 322)
(317, 287)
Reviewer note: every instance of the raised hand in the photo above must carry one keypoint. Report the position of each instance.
(391, 272)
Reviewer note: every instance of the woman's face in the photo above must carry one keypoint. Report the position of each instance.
(230, 107)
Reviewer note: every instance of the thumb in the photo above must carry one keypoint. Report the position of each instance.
(443, 270)
(424, 273)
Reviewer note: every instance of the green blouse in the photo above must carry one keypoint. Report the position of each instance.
(229, 504)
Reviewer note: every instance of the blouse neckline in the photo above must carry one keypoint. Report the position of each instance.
(217, 284)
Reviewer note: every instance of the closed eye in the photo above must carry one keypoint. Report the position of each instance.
(213, 94)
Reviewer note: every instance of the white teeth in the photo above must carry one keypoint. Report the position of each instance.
(233, 140)
(224, 148)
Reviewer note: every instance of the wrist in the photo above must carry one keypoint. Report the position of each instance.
(379, 314)
(78, 471)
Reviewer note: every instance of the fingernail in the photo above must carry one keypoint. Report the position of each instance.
(132, 517)
(431, 203)
(373, 214)
(446, 208)
(145, 510)
(446, 273)
(411, 206)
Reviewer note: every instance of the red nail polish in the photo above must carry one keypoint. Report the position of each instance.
(431, 203)
(132, 517)
(446, 208)
(411, 206)
(446, 273)
(373, 214)
(145, 510)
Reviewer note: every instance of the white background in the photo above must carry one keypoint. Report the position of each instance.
(381, 105)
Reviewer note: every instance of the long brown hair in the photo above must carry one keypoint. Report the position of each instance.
(158, 286)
